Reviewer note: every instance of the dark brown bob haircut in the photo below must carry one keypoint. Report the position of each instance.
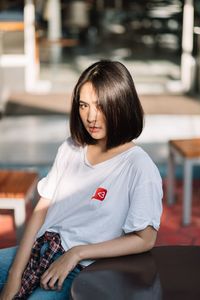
(118, 100)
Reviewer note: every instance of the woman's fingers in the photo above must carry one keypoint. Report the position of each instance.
(55, 275)
(60, 282)
(52, 280)
(44, 280)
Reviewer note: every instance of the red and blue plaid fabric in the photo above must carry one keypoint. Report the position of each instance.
(38, 264)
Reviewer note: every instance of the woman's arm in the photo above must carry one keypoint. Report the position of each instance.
(131, 243)
(24, 250)
(28, 238)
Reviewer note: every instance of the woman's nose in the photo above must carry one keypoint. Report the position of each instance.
(92, 115)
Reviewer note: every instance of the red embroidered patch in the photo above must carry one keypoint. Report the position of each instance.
(100, 194)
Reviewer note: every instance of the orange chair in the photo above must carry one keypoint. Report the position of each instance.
(17, 188)
(189, 151)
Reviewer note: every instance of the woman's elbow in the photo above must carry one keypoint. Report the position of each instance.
(149, 237)
(150, 244)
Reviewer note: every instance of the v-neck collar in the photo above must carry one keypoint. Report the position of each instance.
(109, 160)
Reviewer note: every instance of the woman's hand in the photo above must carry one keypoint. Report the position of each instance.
(11, 288)
(55, 275)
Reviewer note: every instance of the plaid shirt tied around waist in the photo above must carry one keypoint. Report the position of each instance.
(38, 264)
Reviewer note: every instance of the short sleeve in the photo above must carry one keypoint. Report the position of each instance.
(145, 206)
(47, 185)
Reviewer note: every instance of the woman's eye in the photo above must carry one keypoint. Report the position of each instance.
(82, 105)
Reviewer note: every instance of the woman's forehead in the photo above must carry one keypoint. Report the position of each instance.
(87, 91)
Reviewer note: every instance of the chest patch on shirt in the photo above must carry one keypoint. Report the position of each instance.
(100, 194)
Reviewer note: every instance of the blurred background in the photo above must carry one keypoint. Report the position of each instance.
(46, 44)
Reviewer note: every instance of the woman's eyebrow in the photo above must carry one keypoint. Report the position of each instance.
(94, 102)
(83, 102)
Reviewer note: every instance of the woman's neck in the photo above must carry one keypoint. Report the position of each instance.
(97, 153)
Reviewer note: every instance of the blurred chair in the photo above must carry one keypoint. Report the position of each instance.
(189, 151)
(17, 189)
(19, 21)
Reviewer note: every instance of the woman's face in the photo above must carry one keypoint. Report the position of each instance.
(90, 112)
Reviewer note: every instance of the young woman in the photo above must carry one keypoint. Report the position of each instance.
(102, 197)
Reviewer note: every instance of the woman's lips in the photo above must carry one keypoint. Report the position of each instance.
(94, 129)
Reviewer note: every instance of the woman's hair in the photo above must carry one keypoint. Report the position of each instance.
(118, 100)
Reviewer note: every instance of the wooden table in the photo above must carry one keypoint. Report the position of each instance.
(164, 273)
(189, 151)
(16, 189)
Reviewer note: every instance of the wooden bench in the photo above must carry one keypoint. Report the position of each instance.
(17, 188)
(189, 151)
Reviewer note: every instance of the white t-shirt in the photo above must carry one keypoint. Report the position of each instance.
(91, 204)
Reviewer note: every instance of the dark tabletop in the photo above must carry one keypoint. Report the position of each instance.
(167, 273)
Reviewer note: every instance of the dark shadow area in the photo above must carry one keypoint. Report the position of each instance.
(132, 277)
(170, 272)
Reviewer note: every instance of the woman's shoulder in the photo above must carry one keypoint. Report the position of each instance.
(138, 156)
(68, 147)
(141, 163)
